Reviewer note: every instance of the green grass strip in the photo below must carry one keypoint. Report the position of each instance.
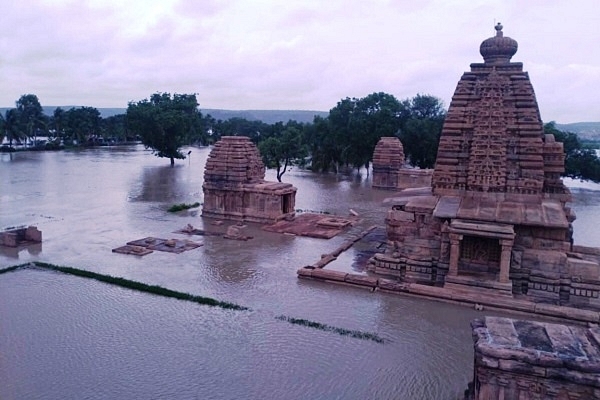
(142, 287)
(13, 268)
(182, 206)
(328, 328)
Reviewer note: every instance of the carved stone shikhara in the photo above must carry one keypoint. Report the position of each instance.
(234, 185)
(389, 171)
(494, 219)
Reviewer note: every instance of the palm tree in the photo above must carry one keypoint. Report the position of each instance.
(11, 126)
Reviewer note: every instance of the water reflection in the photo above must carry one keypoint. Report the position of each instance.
(13, 252)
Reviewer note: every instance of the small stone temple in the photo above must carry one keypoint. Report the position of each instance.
(495, 218)
(235, 187)
(389, 171)
(516, 359)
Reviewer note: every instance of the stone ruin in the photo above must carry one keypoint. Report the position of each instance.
(389, 171)
(235, 187)
(20, 236)
(495, 219)
(517, 359)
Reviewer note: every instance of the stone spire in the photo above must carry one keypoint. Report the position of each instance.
(498, 49)
(493, 139)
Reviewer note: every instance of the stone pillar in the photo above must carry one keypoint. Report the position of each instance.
(507, 246)
(455, 239)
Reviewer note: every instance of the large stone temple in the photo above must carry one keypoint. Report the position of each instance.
(235, 187)
(495, 218)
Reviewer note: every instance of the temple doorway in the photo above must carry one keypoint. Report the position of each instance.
(479, 256)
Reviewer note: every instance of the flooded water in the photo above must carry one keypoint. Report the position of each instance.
(68, 337)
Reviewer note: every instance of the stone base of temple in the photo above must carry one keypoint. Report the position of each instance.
(478, 285)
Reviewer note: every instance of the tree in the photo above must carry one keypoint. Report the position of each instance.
(31, 115)
(11, 126)
(240, 127)
(421, 127)
(57, 122)
(82, 124)
(353, 128)
(113, 128)
(163, 122)
(376, 115)
(282, 150)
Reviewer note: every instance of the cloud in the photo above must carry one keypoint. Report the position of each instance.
(289, 55)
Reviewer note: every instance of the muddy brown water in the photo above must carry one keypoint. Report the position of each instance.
(68, 337)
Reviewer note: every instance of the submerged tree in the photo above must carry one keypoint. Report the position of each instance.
(31, 115)
(164, 123)
(282, 150)
(420, 130)
(10, 126)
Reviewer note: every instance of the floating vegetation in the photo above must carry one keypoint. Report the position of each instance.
(300, 211)
(182, 206)
(328, 328)
(158, 290)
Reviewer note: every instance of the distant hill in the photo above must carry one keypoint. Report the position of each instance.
(267, 116)
(584, 130)
(49, 110)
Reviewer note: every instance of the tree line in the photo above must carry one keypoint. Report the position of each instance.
(26, 122)
(343, 140)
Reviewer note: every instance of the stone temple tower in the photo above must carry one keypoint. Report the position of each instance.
(492, 140)
(235, 187)
(495, 220)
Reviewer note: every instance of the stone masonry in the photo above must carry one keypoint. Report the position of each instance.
(495, 219)
(389, 171)
(234, 185)
(516, 359)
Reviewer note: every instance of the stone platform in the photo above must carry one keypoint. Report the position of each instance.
(518, 359)
(146, 245)
(313, 225)
(20, 236)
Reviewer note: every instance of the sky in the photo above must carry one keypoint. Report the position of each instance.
(281, 55)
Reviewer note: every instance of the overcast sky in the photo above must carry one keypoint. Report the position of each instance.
(243, 54)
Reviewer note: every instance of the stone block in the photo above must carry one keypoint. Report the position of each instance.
(361, 280)
(329, 275)
(33, 234)
(583, 269)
